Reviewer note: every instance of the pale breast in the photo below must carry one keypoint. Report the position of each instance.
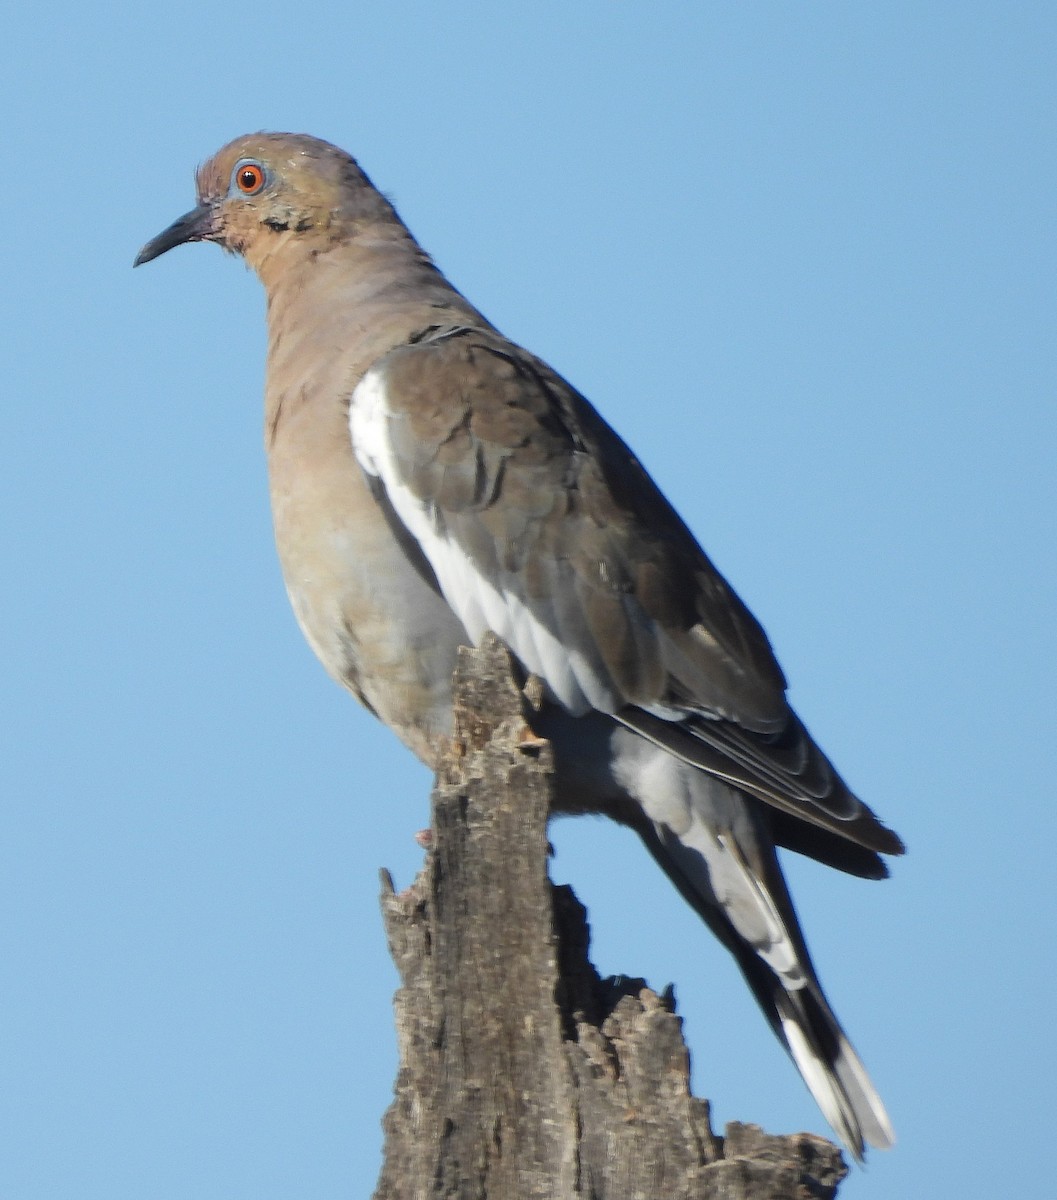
(367, 609)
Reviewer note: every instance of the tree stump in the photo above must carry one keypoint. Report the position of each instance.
(523, 1075)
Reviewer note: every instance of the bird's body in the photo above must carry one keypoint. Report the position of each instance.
(430, 480)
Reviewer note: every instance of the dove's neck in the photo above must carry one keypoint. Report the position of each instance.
(335, 308)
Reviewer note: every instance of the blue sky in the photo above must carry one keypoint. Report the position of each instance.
(802, 256)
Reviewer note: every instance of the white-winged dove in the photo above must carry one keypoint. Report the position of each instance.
(431, 480)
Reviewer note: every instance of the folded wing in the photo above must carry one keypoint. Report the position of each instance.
(540, 525)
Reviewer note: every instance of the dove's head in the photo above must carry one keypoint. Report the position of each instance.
(264, 190)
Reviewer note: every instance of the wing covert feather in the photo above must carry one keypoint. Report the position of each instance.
(519, 477)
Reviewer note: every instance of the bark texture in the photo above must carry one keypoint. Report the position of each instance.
(522, 1074)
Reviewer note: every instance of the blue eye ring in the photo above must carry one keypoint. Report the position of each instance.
(249, 177)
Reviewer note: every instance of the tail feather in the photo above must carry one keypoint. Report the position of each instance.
(832, 1070)
(706, 867)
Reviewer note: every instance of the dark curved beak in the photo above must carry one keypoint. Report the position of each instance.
(195, 226)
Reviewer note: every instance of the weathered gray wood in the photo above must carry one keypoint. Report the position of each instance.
(522, 1074)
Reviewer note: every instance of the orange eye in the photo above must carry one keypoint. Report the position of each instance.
(249, 178)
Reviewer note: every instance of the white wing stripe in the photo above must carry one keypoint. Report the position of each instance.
(477, 602)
